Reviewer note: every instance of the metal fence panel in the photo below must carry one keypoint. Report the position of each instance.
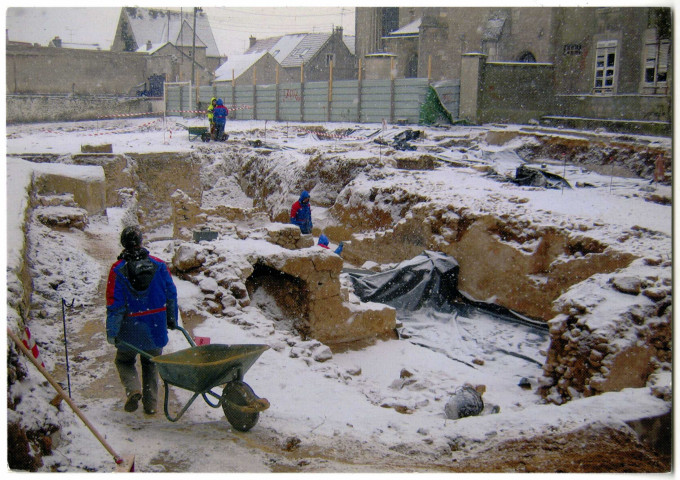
(244, 102)
(345, 101)
(315, 102)
(409, 95)
(371, 102)
(290, 102)
(265, 102)
(375, 101)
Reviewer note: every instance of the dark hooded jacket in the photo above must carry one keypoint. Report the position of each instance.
(301, 213)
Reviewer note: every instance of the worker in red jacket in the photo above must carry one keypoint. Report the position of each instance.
(301, 213)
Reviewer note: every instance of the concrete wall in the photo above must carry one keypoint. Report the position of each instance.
(51, 108)
(73, 71)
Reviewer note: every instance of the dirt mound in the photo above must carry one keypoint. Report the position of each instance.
(590, 450)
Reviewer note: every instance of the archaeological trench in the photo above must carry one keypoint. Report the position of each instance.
(500, 257)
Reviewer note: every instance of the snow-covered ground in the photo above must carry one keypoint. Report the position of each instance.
(378, 408)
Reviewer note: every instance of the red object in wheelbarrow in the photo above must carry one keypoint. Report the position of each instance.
(201, 368)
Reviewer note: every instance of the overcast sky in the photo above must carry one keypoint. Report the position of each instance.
(232, 26)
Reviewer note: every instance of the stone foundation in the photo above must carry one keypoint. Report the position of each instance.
(305, 283)
(596, 348)
(524, 268)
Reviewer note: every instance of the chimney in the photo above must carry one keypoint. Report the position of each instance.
(253, 40)
(148, 45)
(338, 31)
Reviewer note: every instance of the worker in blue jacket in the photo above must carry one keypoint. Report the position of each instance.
(220, 113)
(141, 304)
(301, 213)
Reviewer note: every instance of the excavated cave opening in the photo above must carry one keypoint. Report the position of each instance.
(281, 297)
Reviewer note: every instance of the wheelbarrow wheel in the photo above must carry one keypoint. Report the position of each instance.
(239, 394)
(205, 137)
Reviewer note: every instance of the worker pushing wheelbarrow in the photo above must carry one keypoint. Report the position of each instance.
(201, 368)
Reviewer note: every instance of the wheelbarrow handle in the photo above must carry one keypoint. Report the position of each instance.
(145, 354)
(186, 335)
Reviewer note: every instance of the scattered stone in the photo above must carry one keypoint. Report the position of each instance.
(322, 353)
(208, 285)
(403, 409)
(524, 383)
(292, 443)
(405, 373)
(478, 361)
(354, 370)
(188, 257)
(655, 293)
(630, 285)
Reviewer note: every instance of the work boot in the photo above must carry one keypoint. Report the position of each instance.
(132, 401)
(150, 410)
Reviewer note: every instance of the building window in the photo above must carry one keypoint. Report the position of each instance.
(571, 49)
(657, 54)
(605, 67)
(330, 58)
(390, 20)
(527, 57)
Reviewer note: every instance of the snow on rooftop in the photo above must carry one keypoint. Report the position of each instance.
(162, 25)
(412, 28)
(153, 49)
(236, 65)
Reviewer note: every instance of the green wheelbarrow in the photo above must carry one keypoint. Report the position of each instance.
(196, 132)
(201, 368)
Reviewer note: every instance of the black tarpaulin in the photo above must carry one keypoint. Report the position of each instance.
(538, 178)
(429, 280)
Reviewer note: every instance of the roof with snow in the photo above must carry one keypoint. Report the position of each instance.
(236, 65)
(279, 47)
(294, 49)
(410, 30)
(151, 48)
(162, 26)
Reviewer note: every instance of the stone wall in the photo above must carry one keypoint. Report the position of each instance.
(321, 307)
(615, 107)
(597, 348)
(515, 92)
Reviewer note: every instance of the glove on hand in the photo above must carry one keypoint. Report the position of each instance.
(111, 340)
(172, 325)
